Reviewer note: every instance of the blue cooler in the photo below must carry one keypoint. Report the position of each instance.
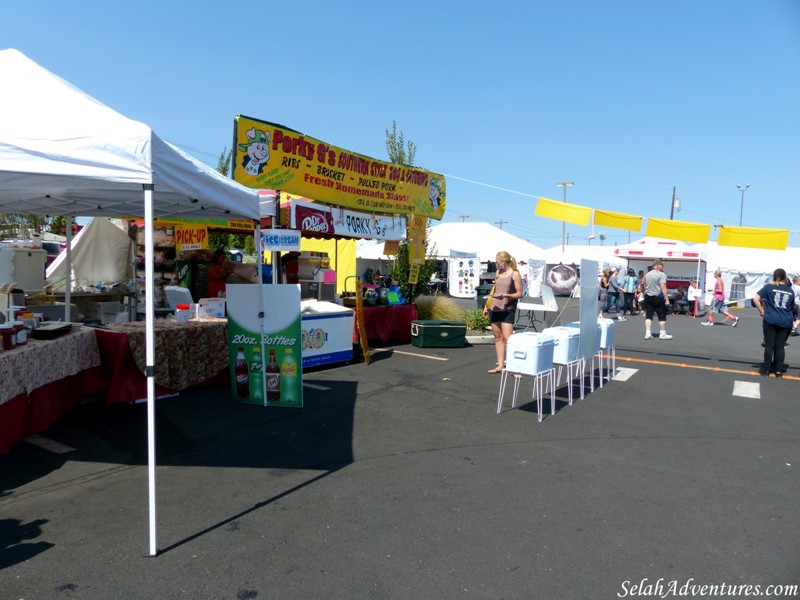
(529, 353)
(599, 338)
(566, 339)
(607, 337)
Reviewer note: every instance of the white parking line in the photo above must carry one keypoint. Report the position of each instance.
(623, 374)
(48, 444)
(747, 389)
(314, 386)
(376, 350)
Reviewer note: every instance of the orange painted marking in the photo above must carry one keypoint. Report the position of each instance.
(665, 363)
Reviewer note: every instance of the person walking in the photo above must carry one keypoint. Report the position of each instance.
(693, 294)
(507, 290)
(614, 291)
(775, 302)
(718, 302)
(656, 301)
(602, 290)
(796, 290)
(630, 285)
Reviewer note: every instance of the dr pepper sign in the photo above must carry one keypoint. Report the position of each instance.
(268, 156)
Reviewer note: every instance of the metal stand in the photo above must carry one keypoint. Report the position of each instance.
(539, 389)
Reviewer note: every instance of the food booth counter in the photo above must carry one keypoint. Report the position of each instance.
(43, 379)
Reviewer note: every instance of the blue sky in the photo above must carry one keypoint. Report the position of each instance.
(626, 99)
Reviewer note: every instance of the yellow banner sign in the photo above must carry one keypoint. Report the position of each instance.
(268, 156)
(191, 237)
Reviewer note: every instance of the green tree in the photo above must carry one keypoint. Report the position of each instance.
(224, 161)
(403, 152)
(400, 151)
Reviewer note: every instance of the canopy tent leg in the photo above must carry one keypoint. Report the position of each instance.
(150, 361)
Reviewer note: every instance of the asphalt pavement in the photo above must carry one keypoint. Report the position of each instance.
(400, 480)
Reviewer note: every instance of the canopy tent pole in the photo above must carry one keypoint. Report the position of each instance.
(260, 254)
(150, 362)
(68, 283)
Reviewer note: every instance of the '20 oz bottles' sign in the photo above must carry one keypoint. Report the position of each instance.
(265, 358)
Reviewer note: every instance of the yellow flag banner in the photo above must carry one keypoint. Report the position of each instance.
(683, 231)
(561, 211)
(753, 237)
(268, 156)
(391, 247)
(417, 244)
(618, 220)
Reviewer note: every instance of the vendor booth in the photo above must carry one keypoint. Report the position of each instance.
(682, 264)
(64, 153)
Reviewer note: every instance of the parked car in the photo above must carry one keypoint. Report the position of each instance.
(53, 250)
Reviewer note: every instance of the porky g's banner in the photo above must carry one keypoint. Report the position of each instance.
(268, 156)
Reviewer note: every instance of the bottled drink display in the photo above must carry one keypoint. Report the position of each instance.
(242, 375)
(256, 376)
(273, 377)
(288, 376)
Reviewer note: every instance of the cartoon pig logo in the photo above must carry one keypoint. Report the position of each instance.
(256, 151)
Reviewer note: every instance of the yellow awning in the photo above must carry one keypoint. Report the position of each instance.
(684, 231)
(561, 211)
(753, 237)
(618, 220)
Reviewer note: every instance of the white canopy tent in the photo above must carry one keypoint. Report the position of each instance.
(481, 238)
(64, 153)
(101, 252)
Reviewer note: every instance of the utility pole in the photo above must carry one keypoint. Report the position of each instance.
(500, 223)
(463, 217)
(672, 206)
(565, 185)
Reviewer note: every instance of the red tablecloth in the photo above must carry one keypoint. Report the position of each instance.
(187, 354)
(42, 380)
(390, 323)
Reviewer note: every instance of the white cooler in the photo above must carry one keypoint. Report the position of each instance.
(607, 333)
(600, 333)
(529, 353)
(566, 339)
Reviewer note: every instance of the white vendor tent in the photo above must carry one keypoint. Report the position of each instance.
(483, 239)
(101, 252)
(64, 153)
(746, 270)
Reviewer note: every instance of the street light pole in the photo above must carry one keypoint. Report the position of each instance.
(743, 189)
(565, 185)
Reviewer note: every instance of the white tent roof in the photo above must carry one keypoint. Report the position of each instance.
(100, 253)
(481, 238)
(64, 153)
(574, 254)
(753, 260)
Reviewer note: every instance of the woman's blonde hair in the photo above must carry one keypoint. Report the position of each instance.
(717, 273)
(503, 255)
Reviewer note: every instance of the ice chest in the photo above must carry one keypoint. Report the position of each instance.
(529, 353)
(438, 334)
(566, 339)
(602, 333)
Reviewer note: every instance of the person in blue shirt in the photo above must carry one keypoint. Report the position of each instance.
(775, 301)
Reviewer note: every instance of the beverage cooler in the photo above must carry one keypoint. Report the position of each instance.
(193, 275)
(23, 267)
(327, 333)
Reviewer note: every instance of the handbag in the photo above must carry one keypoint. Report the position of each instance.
(489, 299)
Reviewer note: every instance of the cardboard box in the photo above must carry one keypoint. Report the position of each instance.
(438, 334)
(211, 307)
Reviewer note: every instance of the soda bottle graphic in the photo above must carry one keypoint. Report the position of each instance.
(242, 375)
(257, 377)
(288, 376)
(273, 378)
